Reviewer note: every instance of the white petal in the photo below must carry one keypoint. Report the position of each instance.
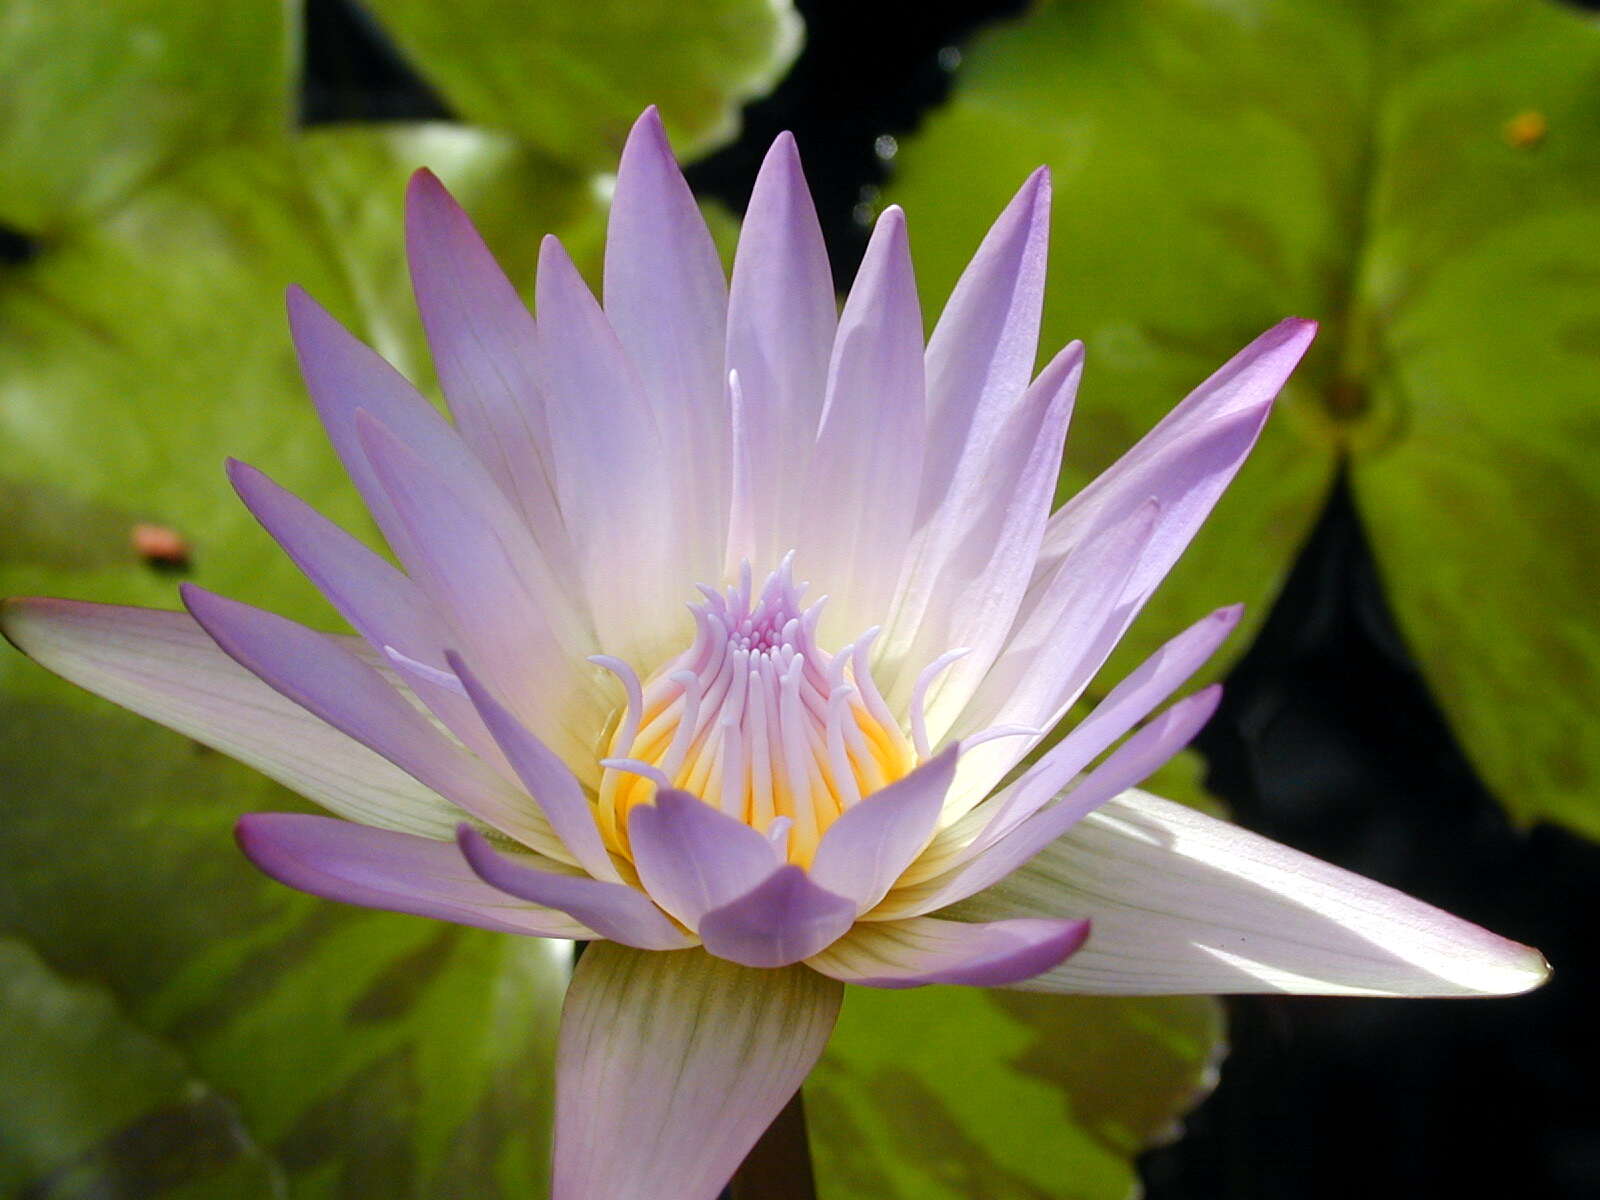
(1053, 654)
(974, 558)
(619, 494)
(667, 299)
(383, 605)
(868, 457)
(781, 319)
(485, 351)
(1184, 903)
(162, 665)
(320, 674)
(671, 1065)
(1187, 460)
(982, 864)
(483, 572)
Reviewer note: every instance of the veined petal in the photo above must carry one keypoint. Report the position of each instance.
(320, 675)
(1128, 703)
(781, 320)
(868, 456)
(784, 919)
(484, 573)
(979, 361)
(1183, 903)
(692, 858)
(616, 489)
(162, 665)
(345, 375)
(1131, 763)
(671, 1065)
(1186, 461)
(980, 355)
(923, 950)
(550, 782)
(974, 560)
(1053, 654)
(667, 299)
(379, 868)
(383, 605)
(612, 910)
(867, 848)
(485, 351)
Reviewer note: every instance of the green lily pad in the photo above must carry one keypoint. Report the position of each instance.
(948, 1093)
(89, 1096)
(570, 76)
(197, 75)
(1421, 178)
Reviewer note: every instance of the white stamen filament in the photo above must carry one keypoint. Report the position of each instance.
(919, 694)
(756, 719)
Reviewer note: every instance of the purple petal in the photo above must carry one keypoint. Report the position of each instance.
(1128, 703)
(604, 434)
(868, 455)
(1128, 765)
(343, 375)
(486, 576)
(613, 910)
(1185, 904)
(162, 665)
(974, 558)
(923, 950)
(693, 858)
(981, 353)
(671, 1065)
(383, 605)
(1055, 652)
(783, 920)
(321, 676)
(378, 868)
(867, 848)
(549, 781)
(485, 351)
(781, 319)
(1187, 460)
(667, 299)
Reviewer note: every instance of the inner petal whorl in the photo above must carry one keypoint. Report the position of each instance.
(757, 720)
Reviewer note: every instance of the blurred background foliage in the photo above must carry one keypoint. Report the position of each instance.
(1423, 177)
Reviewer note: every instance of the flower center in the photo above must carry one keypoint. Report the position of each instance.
(757, 720)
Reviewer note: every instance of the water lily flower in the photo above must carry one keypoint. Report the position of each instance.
(598, 699)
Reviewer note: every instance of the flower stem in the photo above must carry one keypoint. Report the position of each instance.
(778, 1167)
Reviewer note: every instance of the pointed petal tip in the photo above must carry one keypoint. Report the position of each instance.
(1034, 194)
(1229, 615)
(192, 593)
(1293, 333)
(297, 300)
(647, 125)
(424, 184)
(783, 154)
(782, 175)
(428, 201)
(1206, 700)
(241, 474)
